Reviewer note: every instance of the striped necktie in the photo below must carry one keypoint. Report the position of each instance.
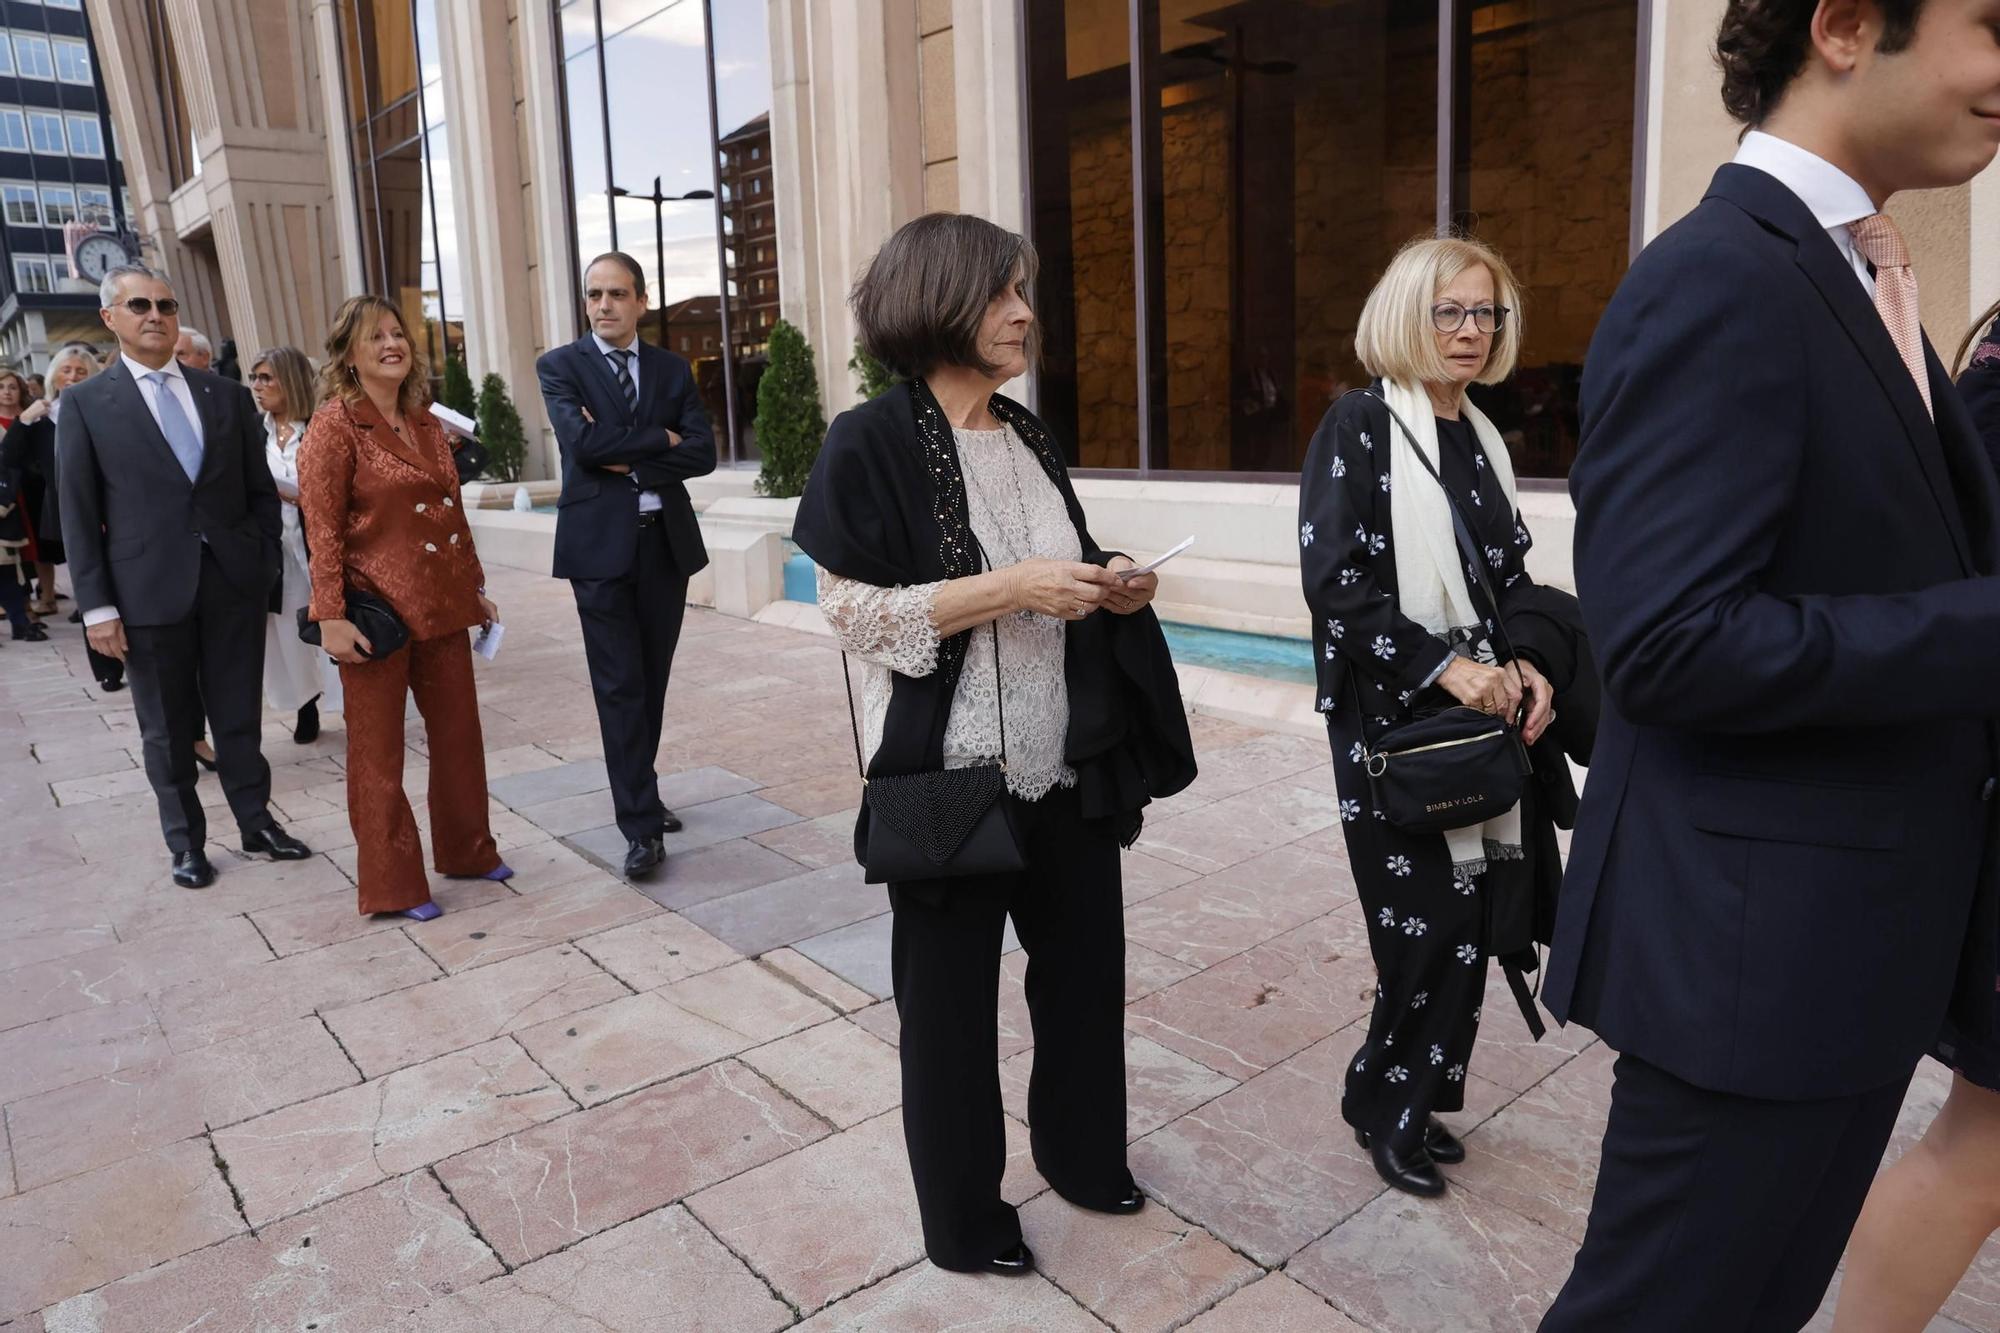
(621, 363)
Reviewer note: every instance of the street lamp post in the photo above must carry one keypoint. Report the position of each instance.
(659, 202)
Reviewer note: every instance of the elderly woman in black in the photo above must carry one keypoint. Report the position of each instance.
(1400, 630)
(945, 529)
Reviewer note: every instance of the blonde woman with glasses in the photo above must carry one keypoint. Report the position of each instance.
(1401, 630)
(297, 676)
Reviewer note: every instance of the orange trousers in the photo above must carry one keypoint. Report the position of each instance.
(439, 673)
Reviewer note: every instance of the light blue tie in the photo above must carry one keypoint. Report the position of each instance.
(180, 432)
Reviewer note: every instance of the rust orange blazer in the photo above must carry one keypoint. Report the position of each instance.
(384, 515)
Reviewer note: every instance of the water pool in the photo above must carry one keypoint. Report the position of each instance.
(1265, 655)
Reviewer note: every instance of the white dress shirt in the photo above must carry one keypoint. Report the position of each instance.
(649, 501)
(177, 385)
(1834, 197)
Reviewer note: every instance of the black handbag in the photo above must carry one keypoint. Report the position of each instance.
(945, 823)
(1458, 766)
(374, 617)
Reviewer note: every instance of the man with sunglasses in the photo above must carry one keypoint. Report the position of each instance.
(173, 524)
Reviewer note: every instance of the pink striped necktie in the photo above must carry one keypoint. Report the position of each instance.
(1895, 293)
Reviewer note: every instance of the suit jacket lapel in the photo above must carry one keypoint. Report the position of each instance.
(586, 347)
(213, 427)
(379, 432)
(652, 371)
(1971, 468)
(1834, 277)
(131, 401)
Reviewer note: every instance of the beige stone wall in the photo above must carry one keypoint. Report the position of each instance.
(938, 97)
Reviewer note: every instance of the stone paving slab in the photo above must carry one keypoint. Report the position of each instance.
(304, 1155)
(663, 1271)
(359, 1262)
(85, 1231)
(674, 1104)
(87, 1125)
(548, 1187)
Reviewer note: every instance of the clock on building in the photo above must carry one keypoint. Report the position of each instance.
(99, 253)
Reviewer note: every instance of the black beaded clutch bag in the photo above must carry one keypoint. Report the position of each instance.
(945, 823)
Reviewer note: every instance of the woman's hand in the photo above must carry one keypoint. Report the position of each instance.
(487, 609)
(1064, 589)
(1127, 595)
(35, 411)
(1541, 699)
(343, 642)
(1494, 690)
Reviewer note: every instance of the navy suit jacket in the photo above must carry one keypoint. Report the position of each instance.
(597, 518)
(1781, 873)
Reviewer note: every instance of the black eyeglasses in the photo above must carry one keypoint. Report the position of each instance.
(1450, 317)
(262, 377)
(140, 305)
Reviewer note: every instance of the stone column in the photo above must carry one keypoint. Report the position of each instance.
(992, 125)
(346, 208)
(848, 149)
(489, 207)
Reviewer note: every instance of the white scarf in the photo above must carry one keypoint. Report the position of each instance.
(1430, 570)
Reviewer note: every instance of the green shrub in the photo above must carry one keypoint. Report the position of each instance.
(790, 424)
(456, 393)
(876, 378)
(500, 431)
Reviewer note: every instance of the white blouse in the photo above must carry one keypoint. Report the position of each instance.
(1017, 514)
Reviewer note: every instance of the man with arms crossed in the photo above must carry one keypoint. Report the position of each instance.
(1787, 532)
(170, 518)
(630, 422)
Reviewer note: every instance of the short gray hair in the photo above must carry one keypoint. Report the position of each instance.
(921, 301)
(107, 291)
(198, 340)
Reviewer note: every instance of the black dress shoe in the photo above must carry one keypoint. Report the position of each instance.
(1017, 1260)
(643, 856)
(192, 870)
(1131, 1203)
(111, 686)
(1442, 1144)
(1413, 1173)
(672, 823)
(307, 730)
(277, 844)
(34, 633)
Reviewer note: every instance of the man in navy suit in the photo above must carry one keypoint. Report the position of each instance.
(630, 422)
(1787, 537)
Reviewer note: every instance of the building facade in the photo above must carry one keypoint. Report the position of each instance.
(1212, 185)
(61, 184)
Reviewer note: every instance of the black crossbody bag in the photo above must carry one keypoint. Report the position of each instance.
(1459, 766)
(944, 823)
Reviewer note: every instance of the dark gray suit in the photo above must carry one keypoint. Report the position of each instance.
(189, 567)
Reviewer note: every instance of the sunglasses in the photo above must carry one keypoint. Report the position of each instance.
(140, 305)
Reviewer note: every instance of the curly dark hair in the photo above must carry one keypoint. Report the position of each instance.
(1762, 44)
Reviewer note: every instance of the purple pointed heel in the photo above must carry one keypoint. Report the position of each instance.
(423, 912)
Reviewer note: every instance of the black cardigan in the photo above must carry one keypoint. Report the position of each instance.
(886, 505)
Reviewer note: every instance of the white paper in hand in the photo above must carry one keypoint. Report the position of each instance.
(1149, 568)
(455, 422)
(487, 641)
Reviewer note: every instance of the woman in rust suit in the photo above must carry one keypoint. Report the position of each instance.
(380, 500)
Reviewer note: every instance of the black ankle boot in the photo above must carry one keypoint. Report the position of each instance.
(1413, 1172)
(307, 731)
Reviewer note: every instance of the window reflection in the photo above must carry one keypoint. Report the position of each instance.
(1287, 148)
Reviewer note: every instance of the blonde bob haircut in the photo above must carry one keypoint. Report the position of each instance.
(1396, 340)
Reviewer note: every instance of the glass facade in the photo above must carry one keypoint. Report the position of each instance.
(638, 78)
(1280, 152)
(395, 105)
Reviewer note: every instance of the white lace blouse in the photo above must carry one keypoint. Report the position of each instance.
(1017, 514)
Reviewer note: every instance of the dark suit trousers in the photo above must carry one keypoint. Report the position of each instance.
(1069, 912)
(631, 625)
(215, 657)
(1716, 1212)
